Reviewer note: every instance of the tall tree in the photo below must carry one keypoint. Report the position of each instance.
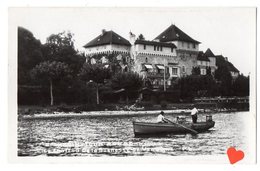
(130, 81)
(60, 47)
(95, 74)
(241, 86)
(29, 54)
(52, 72)
(223, 75)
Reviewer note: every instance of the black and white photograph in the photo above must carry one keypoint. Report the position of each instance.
(161, 83)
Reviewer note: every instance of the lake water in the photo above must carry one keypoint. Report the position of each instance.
(113, 136)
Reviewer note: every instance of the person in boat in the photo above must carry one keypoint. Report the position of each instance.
(161, 118)
(194, 114)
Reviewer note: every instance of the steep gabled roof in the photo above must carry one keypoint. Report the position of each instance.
(222, 62)
(209, 53)
(202, 57)
(108, 37)
(146, 42)
(231, 67)
(173, 33)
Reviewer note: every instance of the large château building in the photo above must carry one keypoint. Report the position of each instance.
(171, 55)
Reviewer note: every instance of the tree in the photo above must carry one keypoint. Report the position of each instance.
(195, 71)
(141, 37)
(223, 75)
(29, 54)
(60, 47)
(51, 71)
(130, 81)
(208, 71)
(241, 86)
(96, 74)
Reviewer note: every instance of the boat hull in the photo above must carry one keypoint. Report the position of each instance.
(144, 128)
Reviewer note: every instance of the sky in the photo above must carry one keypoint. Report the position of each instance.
(230, 32)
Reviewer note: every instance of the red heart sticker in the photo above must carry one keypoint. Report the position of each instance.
(234, 155)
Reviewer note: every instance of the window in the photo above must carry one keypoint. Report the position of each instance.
(188, 45)
(160, 48)
(144, 47)
(194, 45)
(167, 70)
(154, 48)
(183, 68)
(146, 59)
(203, 71)
(174, 71)
(172, 49)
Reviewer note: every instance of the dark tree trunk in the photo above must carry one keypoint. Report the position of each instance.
(51, 92)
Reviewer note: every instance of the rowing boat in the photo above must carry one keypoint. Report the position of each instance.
(148, 128)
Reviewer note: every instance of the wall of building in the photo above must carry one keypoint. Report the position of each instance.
(150, 49)
(186, 60)
(186, 45)
(203, 63)
(183, 66)
(212, 64)
(106, 48)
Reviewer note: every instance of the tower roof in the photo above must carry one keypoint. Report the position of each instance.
(202, 57)
(209, 53)
(222, 62)
(173, 33)
(108, 37)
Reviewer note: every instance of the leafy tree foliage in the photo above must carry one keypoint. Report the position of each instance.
(52, 72)
(29, 55)
(130, 81)
(241, 86)
(195, 71)
(60, 47)
(196, 85)
(208, 71)
(95, 72)
(223, 75)
(141, 37)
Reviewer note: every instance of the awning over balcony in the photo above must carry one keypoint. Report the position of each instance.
(160, 66)
(147, 66)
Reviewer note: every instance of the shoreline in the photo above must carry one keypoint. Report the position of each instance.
(113, 113)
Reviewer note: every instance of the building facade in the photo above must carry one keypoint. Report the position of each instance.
(161, 61)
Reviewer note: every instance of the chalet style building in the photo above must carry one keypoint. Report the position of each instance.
(161, 61)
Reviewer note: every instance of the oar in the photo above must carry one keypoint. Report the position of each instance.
(192, 130)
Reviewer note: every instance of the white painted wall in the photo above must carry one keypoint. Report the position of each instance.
(139, 48)
(203, 63)
(212, 61)
(186, 45)
(104, 48)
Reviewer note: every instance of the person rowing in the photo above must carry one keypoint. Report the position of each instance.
(161, 118)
